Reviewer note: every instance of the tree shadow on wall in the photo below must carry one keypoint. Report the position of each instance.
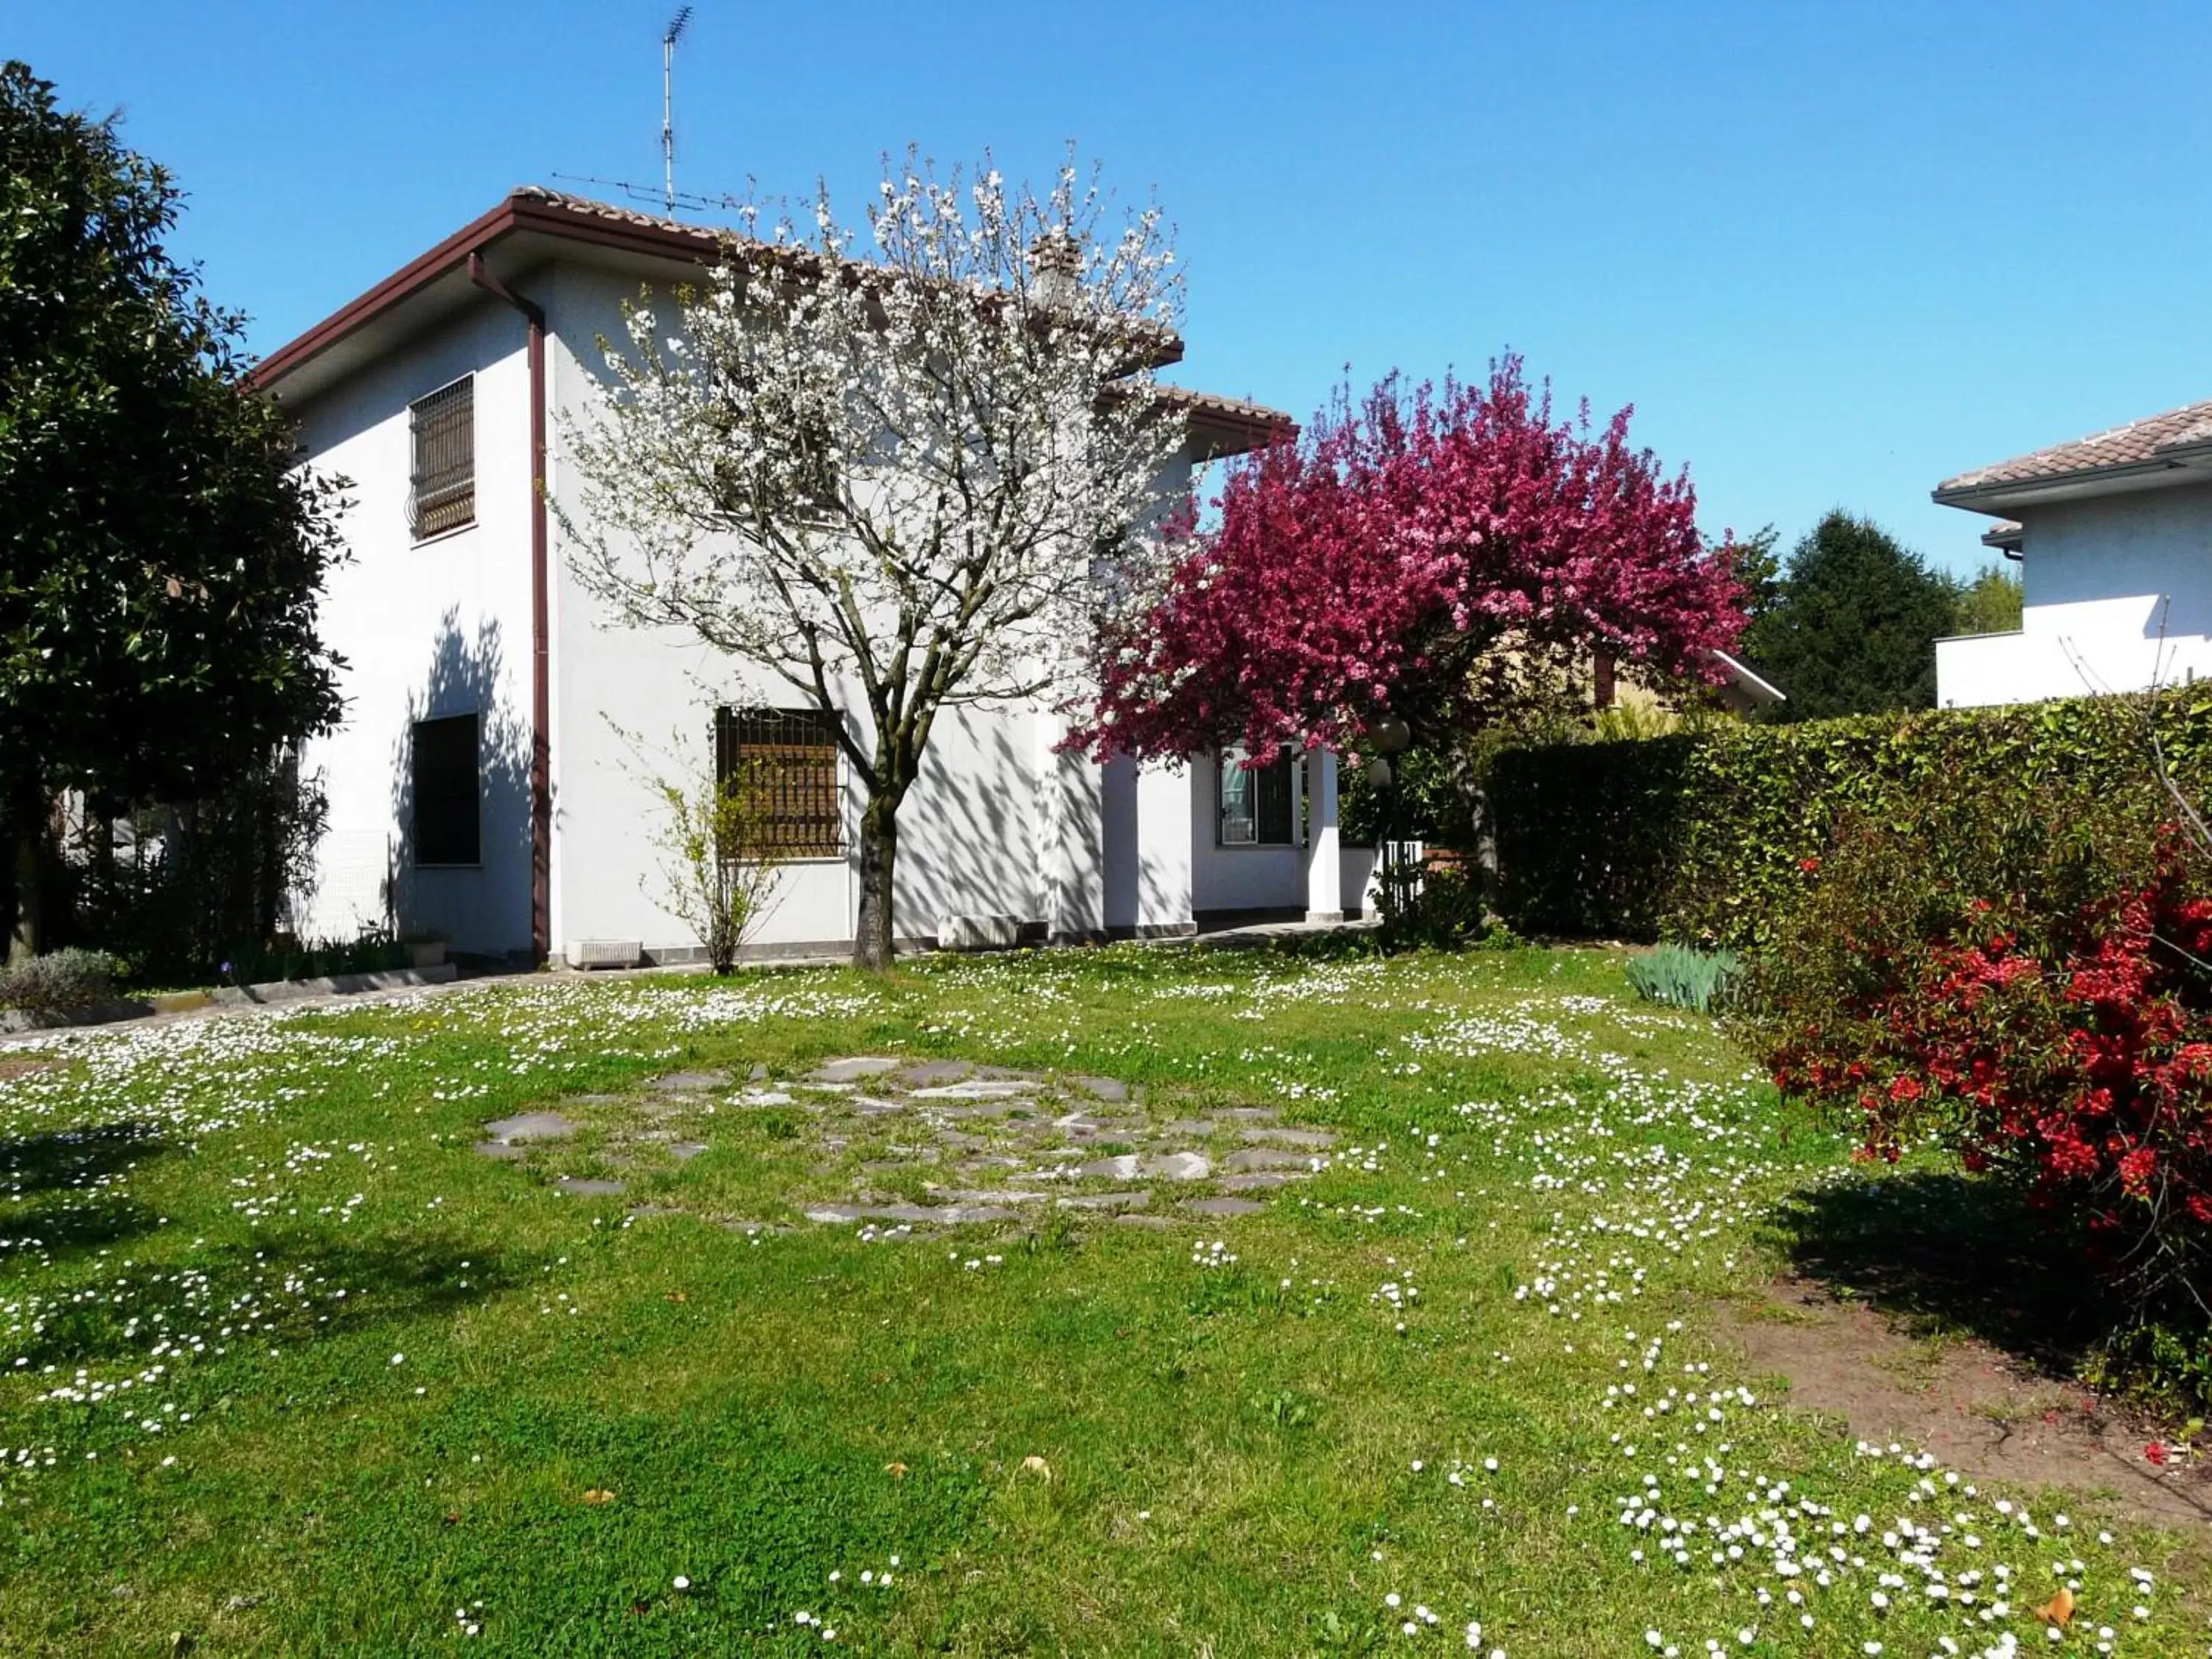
(483, 908)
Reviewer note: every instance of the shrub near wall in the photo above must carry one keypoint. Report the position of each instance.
(1702, 837)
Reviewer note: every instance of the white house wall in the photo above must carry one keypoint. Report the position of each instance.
(1225, 878)
(427, 629)
(1000, 823)
(993, 806)
(2117, 595)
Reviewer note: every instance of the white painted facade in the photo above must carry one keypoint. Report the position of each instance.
(1001, 823)
(2118, 596)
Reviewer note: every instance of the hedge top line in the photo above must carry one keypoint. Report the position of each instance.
(1696, 836)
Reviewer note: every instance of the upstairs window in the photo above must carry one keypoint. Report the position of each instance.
(441, 477)
(1258, 803)
(444, 775)
(786, 762)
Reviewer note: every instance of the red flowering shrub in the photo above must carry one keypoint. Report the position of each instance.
(2036, 996)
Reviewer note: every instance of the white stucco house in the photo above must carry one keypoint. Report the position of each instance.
(2113, 533)
(479, 788)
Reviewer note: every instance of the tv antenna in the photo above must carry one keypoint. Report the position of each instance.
(674, 33)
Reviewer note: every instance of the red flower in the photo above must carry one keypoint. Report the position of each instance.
(1810, 866)
(2156, 1453)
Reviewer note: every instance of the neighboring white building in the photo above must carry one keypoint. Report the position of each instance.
(2114, 537)
(480, 787)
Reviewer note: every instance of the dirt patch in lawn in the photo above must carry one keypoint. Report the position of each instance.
(21, 1066)
(1979, 1410)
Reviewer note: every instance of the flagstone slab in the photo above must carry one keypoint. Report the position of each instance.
(1275, 1134)
(942, 1215)
(1262, 1181)
(1105, 1087)
(500, 1149)
(530, 1125)
(686, 1083)
(1224, 1206)
(980, 1088)
(1123, 1168)
(588, 1187)
(853, 1069)
(1178, 1166)
(1268, 1157)
(1131, 1200)
(930, 1073)
(687, 1149)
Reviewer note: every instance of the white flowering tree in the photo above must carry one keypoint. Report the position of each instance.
(899, 476)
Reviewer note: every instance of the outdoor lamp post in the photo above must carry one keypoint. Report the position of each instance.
(1387, 737)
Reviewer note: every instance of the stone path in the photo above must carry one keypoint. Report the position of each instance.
(920, 1145)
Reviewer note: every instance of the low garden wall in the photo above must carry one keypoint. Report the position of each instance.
(1697, 836)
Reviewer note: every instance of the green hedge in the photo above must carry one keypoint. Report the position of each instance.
(1695, 836)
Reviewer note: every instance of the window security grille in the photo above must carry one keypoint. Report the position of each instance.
(441, 479)
(784, 760)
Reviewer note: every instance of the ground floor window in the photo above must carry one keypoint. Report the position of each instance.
(786, 762)
(1258, 804)
(444, 773)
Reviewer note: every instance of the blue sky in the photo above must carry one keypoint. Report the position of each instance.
(1831, 253)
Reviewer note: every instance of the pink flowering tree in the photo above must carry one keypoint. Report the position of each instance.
(1431, 554)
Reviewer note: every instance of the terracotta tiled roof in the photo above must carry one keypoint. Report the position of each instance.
(1255, 422)
(1233, 424)
(1231, 411)
(584, 207)
(2136, 444)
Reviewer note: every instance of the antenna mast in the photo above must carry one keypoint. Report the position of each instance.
(677, 25)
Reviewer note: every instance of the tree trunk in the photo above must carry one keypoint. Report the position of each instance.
(871, 938)
(26, 831)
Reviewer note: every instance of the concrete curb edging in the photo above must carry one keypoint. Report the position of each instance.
(273, 990)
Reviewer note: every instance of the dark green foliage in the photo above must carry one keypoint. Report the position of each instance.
(1758, 570)
(159, 559)
(372, 952)
(184, 889)
(1990, 603)
(1427, 800)
(1682, 977)
(1853, 628)
(1701, 837)
(1590, 835)
(1436, 907)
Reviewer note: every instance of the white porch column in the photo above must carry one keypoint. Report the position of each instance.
(1324, 867)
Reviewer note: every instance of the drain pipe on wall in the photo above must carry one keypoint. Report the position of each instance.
(541, 697)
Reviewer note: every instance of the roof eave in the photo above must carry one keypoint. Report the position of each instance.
(1999, 498)
(1753, 686)
(522, 211)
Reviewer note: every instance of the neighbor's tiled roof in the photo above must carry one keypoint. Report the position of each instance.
(2133, 445)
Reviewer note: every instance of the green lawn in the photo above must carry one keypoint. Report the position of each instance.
(291, 1368)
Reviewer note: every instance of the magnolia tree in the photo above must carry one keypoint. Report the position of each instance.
(885, 470)
(1440, 556)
